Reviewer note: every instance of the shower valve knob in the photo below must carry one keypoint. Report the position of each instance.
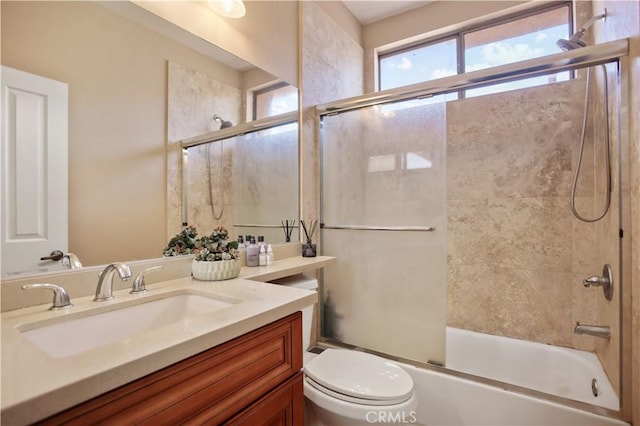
(605, 281)
(595, 281)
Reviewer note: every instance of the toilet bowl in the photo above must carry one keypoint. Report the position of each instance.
(345, 387)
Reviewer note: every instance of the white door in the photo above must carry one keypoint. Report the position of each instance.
(34, 170)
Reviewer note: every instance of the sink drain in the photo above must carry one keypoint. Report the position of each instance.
(594, 387)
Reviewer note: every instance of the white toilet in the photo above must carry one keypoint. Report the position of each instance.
(345, 387)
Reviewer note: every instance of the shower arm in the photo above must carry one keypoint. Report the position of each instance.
(580, 33)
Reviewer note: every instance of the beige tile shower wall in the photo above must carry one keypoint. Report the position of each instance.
(516, 255)
(332, 69)
(193, 99)
(607, 250)
(623, 20)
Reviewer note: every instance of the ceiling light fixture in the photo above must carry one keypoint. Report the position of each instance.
(228, 8)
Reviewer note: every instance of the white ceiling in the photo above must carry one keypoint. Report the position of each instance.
(367, 11)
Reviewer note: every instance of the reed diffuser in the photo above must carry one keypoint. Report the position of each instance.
(287, 227)
(309, 248)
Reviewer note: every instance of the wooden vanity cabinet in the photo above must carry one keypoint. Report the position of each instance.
(254, 379)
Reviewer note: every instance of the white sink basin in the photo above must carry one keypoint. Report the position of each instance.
(80, 334)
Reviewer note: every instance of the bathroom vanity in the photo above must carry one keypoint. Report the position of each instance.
(233, 364)
(215, 386)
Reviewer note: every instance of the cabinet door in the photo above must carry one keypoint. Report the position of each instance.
(284, 406)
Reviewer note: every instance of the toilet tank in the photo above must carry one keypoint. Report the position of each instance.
(308, 283)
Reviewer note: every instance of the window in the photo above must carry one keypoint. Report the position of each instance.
(274, 100)
(508, 40)
(415, 65)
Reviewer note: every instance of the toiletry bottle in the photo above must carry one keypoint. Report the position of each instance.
(269, 255)
(261, 241)
(241, 242)
(253, 254)
(262, 257)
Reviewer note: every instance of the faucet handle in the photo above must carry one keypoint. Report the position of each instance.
(605, 281)
(60, 296)
(139, 286)
(595, 281)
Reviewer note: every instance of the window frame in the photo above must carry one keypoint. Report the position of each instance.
(459, 36)
(262, 91)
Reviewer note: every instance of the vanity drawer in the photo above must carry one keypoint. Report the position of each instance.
(211, 386)
(283, 406)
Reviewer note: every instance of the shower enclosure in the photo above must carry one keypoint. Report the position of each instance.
(244, 177)
(449, 216)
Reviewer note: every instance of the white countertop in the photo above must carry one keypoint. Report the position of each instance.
(36, 385)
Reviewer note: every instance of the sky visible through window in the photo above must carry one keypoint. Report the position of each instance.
(439, 60)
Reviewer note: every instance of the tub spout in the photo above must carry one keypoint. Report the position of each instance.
(602, 331)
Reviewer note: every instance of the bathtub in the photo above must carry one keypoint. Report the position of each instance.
(550, 369)
(448, 399)
(445, 400)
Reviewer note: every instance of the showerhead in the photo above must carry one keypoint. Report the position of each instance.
(223, 123)
(575, 41)
(570, 44)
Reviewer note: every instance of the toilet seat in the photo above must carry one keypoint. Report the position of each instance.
(359, 377)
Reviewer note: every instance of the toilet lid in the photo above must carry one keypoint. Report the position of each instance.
(360, 375)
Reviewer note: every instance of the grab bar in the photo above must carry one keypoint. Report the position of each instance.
(380, 228)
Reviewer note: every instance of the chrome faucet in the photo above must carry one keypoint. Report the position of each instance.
(104, 291)
(60, 296)
(602, 331)
(72, 261)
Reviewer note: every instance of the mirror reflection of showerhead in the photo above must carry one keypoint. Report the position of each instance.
(223, 123)
(575, 41)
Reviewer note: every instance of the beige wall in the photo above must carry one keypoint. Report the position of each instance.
(344, 18)
(267, 36)
(117, 75)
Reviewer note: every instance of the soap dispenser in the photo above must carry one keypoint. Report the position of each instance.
(269, 255)
(262, 258)
(253, 253)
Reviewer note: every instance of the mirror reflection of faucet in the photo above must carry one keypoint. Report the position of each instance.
(602, 331)
(68, 260)
(71, 261)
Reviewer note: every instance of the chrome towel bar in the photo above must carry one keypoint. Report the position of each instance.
(255, 225)
(380, 228)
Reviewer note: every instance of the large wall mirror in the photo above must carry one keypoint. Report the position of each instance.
(137, 86)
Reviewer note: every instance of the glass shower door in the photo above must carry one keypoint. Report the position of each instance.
(383, 215)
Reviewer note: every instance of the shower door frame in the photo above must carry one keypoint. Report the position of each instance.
(610, 52)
